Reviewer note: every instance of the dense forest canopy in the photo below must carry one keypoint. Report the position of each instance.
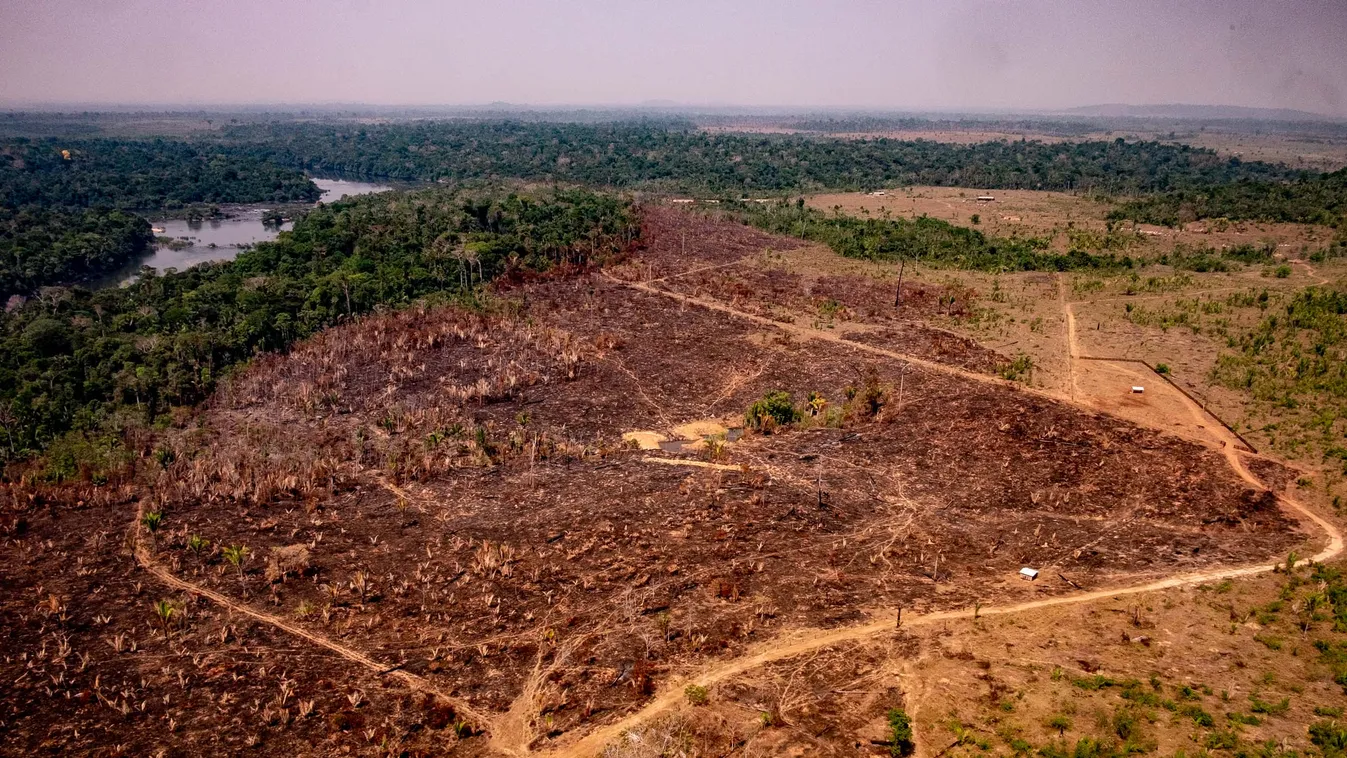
(132, 175)
(77, 359)
(40, 246)
(656, 156)
(1312, 200)
(65, 204)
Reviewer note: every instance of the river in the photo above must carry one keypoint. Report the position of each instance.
(220, 239)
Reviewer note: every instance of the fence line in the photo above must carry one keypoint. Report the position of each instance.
(1200, 403)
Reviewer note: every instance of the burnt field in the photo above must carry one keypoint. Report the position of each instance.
(740, 268)
(449, 492)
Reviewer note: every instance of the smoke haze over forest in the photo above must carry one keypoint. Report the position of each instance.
(920, 55)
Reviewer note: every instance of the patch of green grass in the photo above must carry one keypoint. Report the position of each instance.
(1199, 716)
(1330, 736)
(1268, 641)
(1258, 705)
(1093, 683)
(1188, 692)
(1141, 696)
(1221, 740)
(1019, 369)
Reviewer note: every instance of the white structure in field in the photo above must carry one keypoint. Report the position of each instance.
(1028, 574)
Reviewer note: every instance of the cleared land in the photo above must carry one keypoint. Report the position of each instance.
(1067, 220)
(439, 507)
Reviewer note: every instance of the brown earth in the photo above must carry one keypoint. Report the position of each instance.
(448, 493)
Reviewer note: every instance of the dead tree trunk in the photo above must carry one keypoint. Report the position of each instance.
(898, 296)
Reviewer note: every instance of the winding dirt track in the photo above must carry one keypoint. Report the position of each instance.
(512, 737)
(146, 560)
(790, 645)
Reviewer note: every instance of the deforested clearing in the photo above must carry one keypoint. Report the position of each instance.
(445, 492)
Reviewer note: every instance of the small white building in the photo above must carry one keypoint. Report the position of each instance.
(1028, 574)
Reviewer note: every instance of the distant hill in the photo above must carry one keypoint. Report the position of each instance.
(1177, 111)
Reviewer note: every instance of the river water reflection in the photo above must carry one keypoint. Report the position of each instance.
(220, 239)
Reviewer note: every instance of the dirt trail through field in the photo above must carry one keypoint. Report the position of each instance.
(793, 644)
(1312, 272)
(145, 558)
(509, 733)
(808, 332)
(789, 646)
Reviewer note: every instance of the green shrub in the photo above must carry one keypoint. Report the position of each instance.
(697, 694)
(1330, 736)
(1268, 641)
(773, 410)
(1125, 724)
(1019, 369)
(900, 733)
(1199, 716)
(198, 544)
(1267, 708)
(1162, 368)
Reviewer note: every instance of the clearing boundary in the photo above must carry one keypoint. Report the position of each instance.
(505, 733)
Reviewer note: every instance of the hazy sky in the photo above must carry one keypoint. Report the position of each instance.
(869, 53)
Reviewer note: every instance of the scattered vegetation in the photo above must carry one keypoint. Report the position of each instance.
(923, 239)
(1019, 369)
(1294, 362)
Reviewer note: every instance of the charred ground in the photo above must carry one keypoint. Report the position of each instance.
(448, 490)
